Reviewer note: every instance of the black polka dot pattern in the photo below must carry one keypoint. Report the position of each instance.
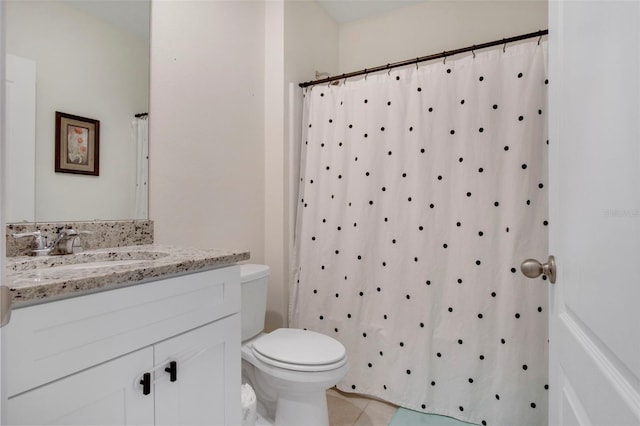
(417, 203)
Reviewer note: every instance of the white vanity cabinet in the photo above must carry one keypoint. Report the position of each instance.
(165, 352)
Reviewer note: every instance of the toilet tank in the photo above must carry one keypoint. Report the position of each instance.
(254, 281)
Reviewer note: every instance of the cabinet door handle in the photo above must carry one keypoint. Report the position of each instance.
(172, 369)
(146, 383)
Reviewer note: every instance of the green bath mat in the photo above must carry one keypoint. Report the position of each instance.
(405, 417)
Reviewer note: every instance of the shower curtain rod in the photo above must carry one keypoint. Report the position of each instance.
(444, 54)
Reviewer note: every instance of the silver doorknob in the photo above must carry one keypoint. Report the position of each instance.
(532, 268)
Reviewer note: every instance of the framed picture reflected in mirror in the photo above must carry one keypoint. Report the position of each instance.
(77, 144)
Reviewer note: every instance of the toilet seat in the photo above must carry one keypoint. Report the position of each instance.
(299, 350)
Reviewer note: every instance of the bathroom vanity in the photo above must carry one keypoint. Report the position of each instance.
(118, 336)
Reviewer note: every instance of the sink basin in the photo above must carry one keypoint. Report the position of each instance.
(84, 260)
(94, 265)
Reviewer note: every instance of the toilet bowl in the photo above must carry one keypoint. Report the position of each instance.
(289, 369)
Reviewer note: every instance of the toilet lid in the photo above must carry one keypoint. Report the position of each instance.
(302, 350)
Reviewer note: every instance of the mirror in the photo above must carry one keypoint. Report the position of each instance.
(90, 59)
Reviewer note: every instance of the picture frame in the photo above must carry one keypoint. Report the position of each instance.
(77, 147)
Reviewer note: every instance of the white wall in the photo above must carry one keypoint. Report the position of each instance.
(207, 124)
(435, 26)
(274, 162)
(87, 68)
(300, 38)
(311, 41)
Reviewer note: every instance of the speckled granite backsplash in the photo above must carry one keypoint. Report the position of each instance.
(106, 234)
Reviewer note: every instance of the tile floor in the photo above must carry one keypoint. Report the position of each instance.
(346, 409)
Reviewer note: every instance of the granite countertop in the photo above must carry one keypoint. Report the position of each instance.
(38, 279)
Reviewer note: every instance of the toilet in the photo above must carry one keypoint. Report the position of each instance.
(289, 369)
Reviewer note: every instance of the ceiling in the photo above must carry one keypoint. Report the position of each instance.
(351, 10)
(130, 15)
(133, 15)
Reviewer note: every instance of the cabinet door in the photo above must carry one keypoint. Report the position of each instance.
(206, 390)
(107, 394)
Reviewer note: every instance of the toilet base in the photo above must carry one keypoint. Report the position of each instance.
(280, 405)
(309, 409)
(291, 403)
(263, 421)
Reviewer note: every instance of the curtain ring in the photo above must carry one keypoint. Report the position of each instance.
(539, 39)
(444, 61)
(504, 48)
(366, 74)
(473, 51)
(417, 60)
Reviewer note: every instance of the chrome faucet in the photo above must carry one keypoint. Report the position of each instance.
(67, 242)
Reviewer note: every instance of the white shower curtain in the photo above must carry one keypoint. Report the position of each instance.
(140, 128)
(421, 192)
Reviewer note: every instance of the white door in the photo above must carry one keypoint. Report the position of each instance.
(4, 295)
(20, 139)
(595, 212)
(206, 384)
(107, 394)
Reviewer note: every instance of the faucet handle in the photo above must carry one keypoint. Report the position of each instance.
(26, 234)
(76, 245)
(39, 241)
